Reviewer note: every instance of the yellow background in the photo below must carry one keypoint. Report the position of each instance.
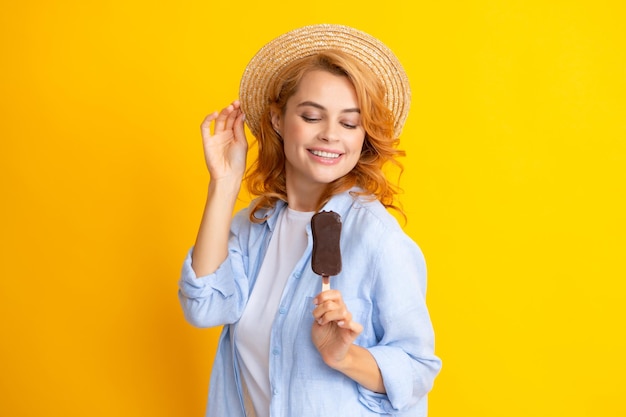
(515, 188)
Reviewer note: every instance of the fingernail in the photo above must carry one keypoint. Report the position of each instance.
(341, 323)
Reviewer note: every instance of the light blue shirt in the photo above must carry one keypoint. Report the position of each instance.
(383, 283)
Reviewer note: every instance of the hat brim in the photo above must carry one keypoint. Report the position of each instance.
(309, 40)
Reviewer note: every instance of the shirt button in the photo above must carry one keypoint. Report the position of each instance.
(275, 392)
(275, 352)
(282, 310)
(296, 275)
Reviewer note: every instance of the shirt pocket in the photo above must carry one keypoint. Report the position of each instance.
(308, 362)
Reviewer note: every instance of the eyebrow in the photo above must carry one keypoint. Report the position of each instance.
(319, 106)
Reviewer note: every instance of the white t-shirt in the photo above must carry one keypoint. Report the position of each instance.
(252, 337)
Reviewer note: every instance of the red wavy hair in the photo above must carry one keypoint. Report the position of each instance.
(266, 176)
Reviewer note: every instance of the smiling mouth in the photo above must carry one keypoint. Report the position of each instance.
(324, 154)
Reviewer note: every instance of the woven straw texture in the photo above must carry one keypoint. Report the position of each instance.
(308, 40)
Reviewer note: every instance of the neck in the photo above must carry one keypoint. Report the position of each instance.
(304, 198)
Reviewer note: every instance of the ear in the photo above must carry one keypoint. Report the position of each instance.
(276, 120)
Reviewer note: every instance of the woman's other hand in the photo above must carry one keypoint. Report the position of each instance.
(333, 334)
(333, 331)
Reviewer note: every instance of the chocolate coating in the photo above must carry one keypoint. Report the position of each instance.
(326, 258)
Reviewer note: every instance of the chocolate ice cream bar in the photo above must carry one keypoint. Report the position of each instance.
(326, 258)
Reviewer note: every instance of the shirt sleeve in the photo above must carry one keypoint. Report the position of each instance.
(405, 352)
(218, 298)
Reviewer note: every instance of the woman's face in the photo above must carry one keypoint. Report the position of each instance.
(321, 130)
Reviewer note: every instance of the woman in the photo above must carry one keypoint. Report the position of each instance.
(327, 104)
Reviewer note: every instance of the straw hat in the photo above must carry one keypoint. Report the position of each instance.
(309, 40)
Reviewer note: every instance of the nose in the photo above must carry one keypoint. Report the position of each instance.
(329, 132)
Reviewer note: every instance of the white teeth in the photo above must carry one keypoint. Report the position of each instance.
(325, 154)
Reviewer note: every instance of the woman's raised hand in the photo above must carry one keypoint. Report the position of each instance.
(225, 149)
(225, 153)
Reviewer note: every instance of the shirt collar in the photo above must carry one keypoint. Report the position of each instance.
(339, 203)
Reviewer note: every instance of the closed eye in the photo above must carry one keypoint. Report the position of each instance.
(310, 119)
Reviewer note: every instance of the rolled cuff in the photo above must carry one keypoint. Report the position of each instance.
(194, 287)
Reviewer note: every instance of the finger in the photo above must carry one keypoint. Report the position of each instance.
(205, 126)
(230, 120)
(239, 130)
(330, 295)
(220, 122)
(325, 306)
(331, 312)
(353, 326)
(328, 301)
